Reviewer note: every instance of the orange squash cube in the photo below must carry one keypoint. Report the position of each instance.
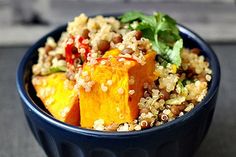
(58, 96)
(117, 88)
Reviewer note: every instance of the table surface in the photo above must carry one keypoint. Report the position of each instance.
(17, 140)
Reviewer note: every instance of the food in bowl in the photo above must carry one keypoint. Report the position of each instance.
(124, 74)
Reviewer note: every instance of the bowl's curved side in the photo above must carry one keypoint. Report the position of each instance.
(178, 141)
(178, 138)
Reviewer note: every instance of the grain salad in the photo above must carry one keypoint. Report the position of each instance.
(120, 74)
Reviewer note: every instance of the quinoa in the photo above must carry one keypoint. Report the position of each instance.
(175, 91)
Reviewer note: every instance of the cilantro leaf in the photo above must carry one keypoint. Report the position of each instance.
(57, 69)
(162, 32)
(174, 54)
(131, 16)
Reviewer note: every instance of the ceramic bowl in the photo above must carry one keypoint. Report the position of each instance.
(178, 138)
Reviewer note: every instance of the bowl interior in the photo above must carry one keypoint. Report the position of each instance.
(28, 94)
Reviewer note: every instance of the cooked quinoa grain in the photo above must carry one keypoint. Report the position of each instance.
(175, 91)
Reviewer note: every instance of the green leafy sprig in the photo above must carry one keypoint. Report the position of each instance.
(161, 30)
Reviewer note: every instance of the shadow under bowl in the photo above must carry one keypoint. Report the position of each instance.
(178, 138)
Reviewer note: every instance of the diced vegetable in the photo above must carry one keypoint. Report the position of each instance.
(73, 49)
(58, 96)
(113, 53)
(117, 89)
(176, 101)
(57, 69)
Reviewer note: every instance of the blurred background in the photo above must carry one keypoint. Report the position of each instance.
(214, 20)
(22, 22)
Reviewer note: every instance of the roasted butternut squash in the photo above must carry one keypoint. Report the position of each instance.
(58, 96)
(117, 88)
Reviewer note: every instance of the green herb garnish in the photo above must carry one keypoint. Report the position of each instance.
(57, 69)
(161, 30)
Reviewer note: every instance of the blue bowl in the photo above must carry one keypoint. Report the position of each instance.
(178, 138)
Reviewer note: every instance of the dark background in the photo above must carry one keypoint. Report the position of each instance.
(22, 22)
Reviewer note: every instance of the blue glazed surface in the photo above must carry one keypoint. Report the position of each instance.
(178, 138)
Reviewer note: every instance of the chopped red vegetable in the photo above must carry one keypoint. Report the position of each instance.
(72, 52)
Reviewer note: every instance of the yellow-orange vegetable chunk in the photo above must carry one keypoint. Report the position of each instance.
(117, 88)
(58, 96)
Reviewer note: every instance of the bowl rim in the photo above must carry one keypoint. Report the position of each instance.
(212, 91)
